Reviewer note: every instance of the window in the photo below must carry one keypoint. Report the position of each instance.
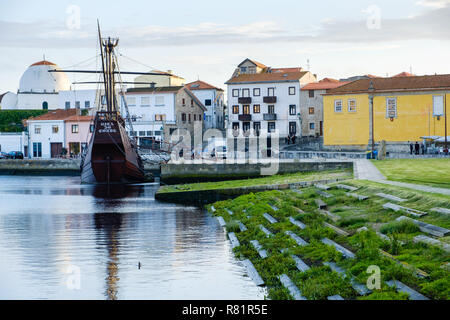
(245, 93)
(131, 101)
(270, 92)
(207, 102)
(243, 69)
(246, 109)
(292, 110)
(150, 133)
(192, 102)
(77, 104)
(235, 125)
(351, 105)
(91, 128)
(271, 127)
(311, 126)
(157, 133)
(145, 102)
(189, 116)
(160, 117)
(200, 117)
(183, 102)
(235, 109)
(391, 107)
(256, 92)
(271, 109)
(55, 129)
(291, 91)
(45, 105)
(195, 117)
(292, 128)
(67, 105)
(235, 93)
(74, 128)
(183, 117)
(141, 133)
(251, 69)
(257, 127)
(37, 129)
(246, 126)
(311, 93)
(37, 149)
(87, 104)
(159, 101)
(74, 148)
(311, 110)
(337, 105)
(438, 106)
(256, 108)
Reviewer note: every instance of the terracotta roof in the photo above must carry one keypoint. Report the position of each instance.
(193, 97)
(404, 74)
(58, 114)
(43, 63)
(285, 70)
(153, 90)
(256, 63)
(267, 77)
(324, 84)
(201, 85)
(395, 84)
(2, 95)
(80, 118)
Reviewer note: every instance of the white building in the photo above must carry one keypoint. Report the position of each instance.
(38, 88)
(150, 108)
(265, 98)
(79, 99)
(13, 141)
(212, 98)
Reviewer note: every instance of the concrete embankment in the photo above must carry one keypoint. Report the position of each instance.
(201, 197)
(192, 172)
(53, 167)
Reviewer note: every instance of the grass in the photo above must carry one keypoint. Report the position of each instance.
(432, 172)
(320, 282)
(275, 179)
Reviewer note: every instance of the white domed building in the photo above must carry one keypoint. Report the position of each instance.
(38, 88)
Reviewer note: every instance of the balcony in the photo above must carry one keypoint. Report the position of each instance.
(270, 116)
(270, 99)
(245, 117)
(246, 100)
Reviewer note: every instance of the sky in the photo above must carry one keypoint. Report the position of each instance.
(206, 40)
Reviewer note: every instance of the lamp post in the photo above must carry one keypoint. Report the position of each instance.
(372, 134)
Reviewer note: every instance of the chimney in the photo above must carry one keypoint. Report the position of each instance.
(169, 71)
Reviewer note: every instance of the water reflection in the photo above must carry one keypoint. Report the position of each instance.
(48, 225)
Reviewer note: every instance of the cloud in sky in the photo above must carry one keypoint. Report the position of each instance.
(431, 24)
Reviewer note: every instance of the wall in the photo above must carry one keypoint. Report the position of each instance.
(183, 173)
(213, 111)
(160, 81)
(83, 135)
(79, 95)
(305, 103)
(34, 101)
(13, 141)
(46, 136)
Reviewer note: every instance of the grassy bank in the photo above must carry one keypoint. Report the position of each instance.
(432, 172)
(350, 214)
(269, 180)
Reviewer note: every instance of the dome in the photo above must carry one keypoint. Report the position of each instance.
(37, 79)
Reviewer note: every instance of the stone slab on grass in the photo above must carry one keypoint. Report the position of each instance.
(324, 194)
(297, 223)
(335, 297)
(274, 208)
(321, 204)
(396, 207)
(213, 209)
(269, 218)
(413, 295)
(234, 240)
(221, 221)
(322, 186)
(336, 229)
(296, 238)
(330, 215)
(258, 247)
(301, 265)
(251, 271)
(345, 252)
(266, 231)
(390, 197)
(291, 287)
(229, 212)
(432, 242)
(360, 197)
(441, 210)
(428, 228)
(242, 227)
(300, 211)
(358, 287)
(346, 187)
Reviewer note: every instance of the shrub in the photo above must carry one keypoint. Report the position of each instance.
(404, 226)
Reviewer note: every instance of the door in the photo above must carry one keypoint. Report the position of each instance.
(55, 149)
(321, 128)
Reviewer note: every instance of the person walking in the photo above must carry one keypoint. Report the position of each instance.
(422, 146)
(417, 147)
(411, 147)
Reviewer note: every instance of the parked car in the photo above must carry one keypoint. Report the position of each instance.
(15, 155)
(3, 155)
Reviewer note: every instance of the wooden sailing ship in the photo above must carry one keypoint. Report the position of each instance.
(111, 156)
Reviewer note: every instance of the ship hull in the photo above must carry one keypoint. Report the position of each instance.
(111, 157)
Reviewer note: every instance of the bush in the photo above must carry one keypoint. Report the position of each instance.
(404, 226)
(11, 120)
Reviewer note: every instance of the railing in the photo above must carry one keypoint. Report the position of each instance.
(245, 117)
(246, 100)
(270, 116)
(272, 99)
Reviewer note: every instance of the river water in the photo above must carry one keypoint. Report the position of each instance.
(63, 240)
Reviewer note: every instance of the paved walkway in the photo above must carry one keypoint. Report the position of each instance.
(364, 169)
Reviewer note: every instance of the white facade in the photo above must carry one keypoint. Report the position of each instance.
(42, 134)
(8, 101)
(149, 111)
(212, 99)
(81, 99)
(13, 141)
(286, 108)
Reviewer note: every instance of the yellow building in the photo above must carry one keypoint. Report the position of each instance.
(403, 109)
